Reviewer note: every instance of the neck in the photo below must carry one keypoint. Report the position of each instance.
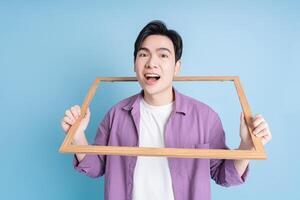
(160, 99)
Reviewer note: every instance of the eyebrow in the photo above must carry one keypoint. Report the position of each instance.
(158, 49)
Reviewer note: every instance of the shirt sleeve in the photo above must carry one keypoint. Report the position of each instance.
(93, 165)
(223, 171)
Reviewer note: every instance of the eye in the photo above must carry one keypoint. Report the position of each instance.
(142, 55)
(164, 55)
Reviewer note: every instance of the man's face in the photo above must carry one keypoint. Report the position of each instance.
(155, 65)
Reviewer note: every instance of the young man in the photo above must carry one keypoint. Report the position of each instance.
(160, 116)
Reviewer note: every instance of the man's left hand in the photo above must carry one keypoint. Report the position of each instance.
(260, 130)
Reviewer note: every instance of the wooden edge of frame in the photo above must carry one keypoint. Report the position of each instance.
(168, 152)
(257, 154)
(248, 115)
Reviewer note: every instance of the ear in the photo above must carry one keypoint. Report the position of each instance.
(177, 67)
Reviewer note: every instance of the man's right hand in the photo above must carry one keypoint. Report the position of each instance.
(71, 115)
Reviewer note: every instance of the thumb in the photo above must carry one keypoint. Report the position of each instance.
(88, 113)
(242, 118)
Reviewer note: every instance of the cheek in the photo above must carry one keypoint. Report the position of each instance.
(168, 76)
(138, 71)
(138, 65)
(169, 70)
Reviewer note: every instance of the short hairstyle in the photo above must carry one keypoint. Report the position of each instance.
(157, 27)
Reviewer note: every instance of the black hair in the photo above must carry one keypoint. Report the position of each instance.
(157, 27)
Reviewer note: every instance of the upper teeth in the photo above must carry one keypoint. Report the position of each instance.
(151, 75)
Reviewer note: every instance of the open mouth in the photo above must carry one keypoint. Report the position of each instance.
(151, 78)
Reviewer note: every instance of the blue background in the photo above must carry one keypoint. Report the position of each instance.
(51, 51)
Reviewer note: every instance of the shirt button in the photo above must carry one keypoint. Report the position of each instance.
(129, 184)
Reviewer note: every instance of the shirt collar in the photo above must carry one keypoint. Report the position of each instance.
(180, 104)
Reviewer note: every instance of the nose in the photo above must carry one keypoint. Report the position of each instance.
(151, 62)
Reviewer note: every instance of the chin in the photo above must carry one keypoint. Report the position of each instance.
(151, 90)
(154, 90)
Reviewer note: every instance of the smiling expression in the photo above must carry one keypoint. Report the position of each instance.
(155, 65)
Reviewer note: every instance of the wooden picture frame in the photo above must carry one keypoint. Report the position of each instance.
(257, 154)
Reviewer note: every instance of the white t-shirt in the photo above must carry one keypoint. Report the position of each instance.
(152, 178)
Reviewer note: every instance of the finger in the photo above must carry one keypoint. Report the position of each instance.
(88, 113)
(259, 128)
(265, 139)
(65, 126)
(68, 120)
(69, 114)
(258, 116)
(263, 133)
(64, 123)
(74, 112)
(268, 137)
(78, 109)
(258, 120)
